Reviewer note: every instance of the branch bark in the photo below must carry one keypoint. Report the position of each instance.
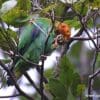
(14, 81)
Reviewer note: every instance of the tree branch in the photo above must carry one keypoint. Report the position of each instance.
(34, 85)
(80, 38)
(35, 65)
(10, 96)
(91, 77)
(43, 58)
(14, 81)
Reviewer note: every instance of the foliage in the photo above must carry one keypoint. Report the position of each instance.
(81, 7)
(68, 85)
(73, 23)
(18, 13)
(7, 39)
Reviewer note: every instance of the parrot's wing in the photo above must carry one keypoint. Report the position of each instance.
(28, 35)
(31, 32)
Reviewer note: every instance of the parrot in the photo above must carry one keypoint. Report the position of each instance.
(36, 40)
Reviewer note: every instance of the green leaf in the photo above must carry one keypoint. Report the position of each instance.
(73, 22)
(66, 72)
(59, 9)
(70, 95)
(3, 81)
(20, 12)
(7, 39)
(3, 42)
(49, 7)
(94, 3)
(13, 35)
(80, 89)
(13, 15)
(48, 73)
(76, 82)
(69, 76)
(57, 89)
(25, 6)
(90, 23)
(81, 7)
(75, 52)
(98, 61)
(68, 81)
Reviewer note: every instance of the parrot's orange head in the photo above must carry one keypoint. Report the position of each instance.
(63, 33)
(63, 29)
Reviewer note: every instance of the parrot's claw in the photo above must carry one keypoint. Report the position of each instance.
(59, 40)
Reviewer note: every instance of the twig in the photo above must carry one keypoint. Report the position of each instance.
(10, 96)
(43, 58)
(53, 25)
(80, 38)
(41, 81)
(98, 37)
(33, 64)
(14, 81)
(91, 77)
(39, 71)
(29, 62)
(83, 21)
(33, 84)
(94, 60)
(90, 37)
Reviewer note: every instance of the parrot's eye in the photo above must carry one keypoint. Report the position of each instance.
(67, 31)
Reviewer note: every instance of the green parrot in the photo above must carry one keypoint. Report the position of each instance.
(32, 45)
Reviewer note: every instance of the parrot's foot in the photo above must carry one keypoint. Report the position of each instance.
(59, 40)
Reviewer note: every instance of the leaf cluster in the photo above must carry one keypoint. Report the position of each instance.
(67, 83)
(8, 39)
(18, 13)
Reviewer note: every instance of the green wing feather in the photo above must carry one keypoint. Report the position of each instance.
(32, 47)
